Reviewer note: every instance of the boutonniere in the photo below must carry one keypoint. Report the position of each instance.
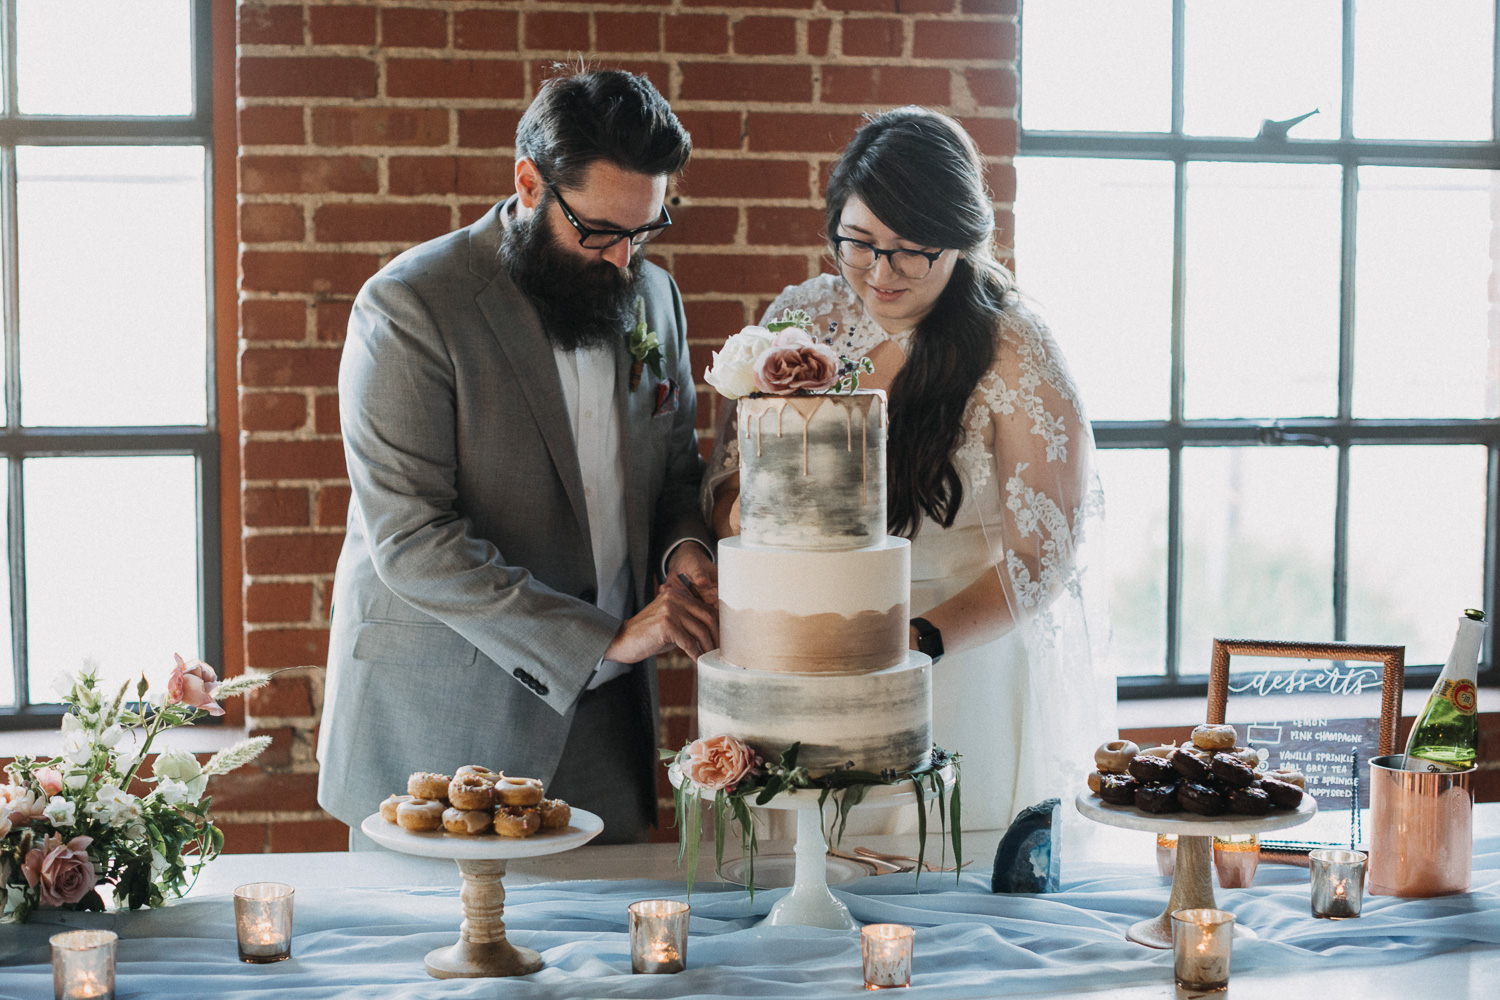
(645, 347)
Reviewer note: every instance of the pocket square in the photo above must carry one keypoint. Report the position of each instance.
(666, 397)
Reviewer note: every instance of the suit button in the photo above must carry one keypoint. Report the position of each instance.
(541, 688)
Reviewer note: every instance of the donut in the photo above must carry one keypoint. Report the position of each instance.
(389, 806)
(1118, 789)
(1095, 777)
(1231, 770)
(1290, 775)
(1201, 799)
(511, 821)
(518, 791)
(471, 791)
(483, 772)
(1250, 755)
(1115, 756)
(1189, 765)
(1165, 750)
(1249, 801)
(428, 785)
(555, 814)
(1157, 798)
(1283, 794)
(1152, 770)
(1214, 737)
(420, 814)
(467, 821)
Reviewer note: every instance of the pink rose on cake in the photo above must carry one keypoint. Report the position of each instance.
(717, 762)
(796, 361)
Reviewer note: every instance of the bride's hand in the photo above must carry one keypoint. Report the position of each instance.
(734, 516)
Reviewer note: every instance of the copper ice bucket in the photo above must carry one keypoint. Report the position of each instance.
(1421, 830)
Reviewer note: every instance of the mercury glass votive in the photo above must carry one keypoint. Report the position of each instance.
(1235, 859)
(1338, 883)
(1166, 854)
(83, 965)
(263, 921)
(1201, 940)
(886, 950)
(658, 936)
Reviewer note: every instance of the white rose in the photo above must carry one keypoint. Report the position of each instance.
(733, 369)
(60, 812)
(179, 765)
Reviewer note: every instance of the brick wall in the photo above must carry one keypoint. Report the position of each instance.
(366, 126)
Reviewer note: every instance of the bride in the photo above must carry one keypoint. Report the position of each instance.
(989, 462)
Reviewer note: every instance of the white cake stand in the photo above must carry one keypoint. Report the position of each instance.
(482, 950)
(1192, 885)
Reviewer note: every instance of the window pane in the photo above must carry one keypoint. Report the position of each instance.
(7, 661)
(1424, 269)
(1135, 494)
(1257, 549)
(1094, 250)
(1097, 65)
(1413, 568)
(111, 567)
(114, 325)
(104, 57)
(1426, 75)
(1262, 317)
(1251, 60)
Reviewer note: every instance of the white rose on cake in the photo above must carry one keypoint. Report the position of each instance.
(732, 370)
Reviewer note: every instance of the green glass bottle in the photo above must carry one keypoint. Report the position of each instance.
(1445, 737)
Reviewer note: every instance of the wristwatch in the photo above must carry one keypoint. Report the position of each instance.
(929, 638)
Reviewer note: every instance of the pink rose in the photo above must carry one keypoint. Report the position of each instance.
(717, 762)
(50, 778)
(194, 684)
(64, 871)
(796, 361)
(22, 804)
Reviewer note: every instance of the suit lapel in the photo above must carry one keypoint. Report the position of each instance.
(635, 426)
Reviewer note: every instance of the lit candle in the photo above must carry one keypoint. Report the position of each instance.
(263, 921)
(886, 951)
(1201, 942)
(1338, 883)
(83, 965)
(658, 936)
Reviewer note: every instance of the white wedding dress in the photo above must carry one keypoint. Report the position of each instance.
(1027, 709)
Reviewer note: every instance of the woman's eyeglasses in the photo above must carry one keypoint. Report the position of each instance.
(862, 257)
(601, 239)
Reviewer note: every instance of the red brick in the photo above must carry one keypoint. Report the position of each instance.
(279, 752)
(487, 30)
(243, 838)
(380, 126)
(270, 223)
(714, 81)
(312, 835)
(742, 178)
(1008, 8)
(278, 554)
(780, 4)
(331, 320)
(333, 506)
(676, 686)
(277, 648)
(1002, 181)
(261, 24)
(557, 30)
(702, 224)
(308, 174)
(874, 36)
(410, 27)
(326, 414)
(306, 271)
(994, 136)
(659, 73)
(306, 76)
(892, 6)
(486, 129)
(865, 85)
(765, 36)
(995, 88)
(294, 460)
(771, 131)
(471, 212)
(714, 129)
(731, 273)
(785, 226)
(382, 222)
(271, 125)
(343, 25)
(272, 411)
(278, 602)
(274, 506)
(273, 319)
(251, 789)
(627, 32)
(284, 696)
(489, 175)
(714, 320)
(817, 36)
(1005, 230)
(696, 33)
(271, 367)
(700, 358)
(676, 729)
(488, 78)
(987, 40)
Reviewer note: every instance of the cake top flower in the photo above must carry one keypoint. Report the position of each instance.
(782, 358)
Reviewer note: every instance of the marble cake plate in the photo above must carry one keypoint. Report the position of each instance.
(1192, 883)
(482, 950)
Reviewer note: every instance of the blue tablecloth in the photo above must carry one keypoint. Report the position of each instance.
(370, 942)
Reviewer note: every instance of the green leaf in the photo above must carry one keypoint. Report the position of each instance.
(916, 784)
(693, 832)
(958, 826)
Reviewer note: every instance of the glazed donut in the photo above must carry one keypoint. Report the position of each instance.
(467, 821)
(1115, 756)
(389, 806)
(483, 772)
(471, 791)
(427, 785)
(1214, 737)
(1165, 750)
(420, 814)
(1290, 775)
(1250, 755)
(555, 813)
(518, 791)
(1095, 779)
(514, 822)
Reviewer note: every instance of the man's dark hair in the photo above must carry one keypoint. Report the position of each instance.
(601, 115)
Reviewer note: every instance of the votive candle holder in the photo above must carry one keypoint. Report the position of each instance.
(83, 965)
(886, 952)
(1338, 883)
(263, 921)
(1201, 942)
(1235, 859)
(658, 936)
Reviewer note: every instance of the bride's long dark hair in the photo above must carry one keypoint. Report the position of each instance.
(920, 174)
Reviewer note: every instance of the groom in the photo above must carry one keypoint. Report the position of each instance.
(518, 471)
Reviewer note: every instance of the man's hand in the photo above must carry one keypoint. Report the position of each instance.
(677, 617)
(691, 560)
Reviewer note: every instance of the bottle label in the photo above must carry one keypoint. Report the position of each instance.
(1415, 763)
(1462, 694)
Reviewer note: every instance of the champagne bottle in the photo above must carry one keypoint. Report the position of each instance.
(1445, 737)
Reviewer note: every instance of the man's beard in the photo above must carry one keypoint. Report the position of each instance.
(582, 303)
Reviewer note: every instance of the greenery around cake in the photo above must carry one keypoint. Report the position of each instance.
(729, 777)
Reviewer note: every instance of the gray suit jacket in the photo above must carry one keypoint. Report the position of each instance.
(464, 627)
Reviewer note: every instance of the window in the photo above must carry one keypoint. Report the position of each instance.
(1284, 330)
(110, 447)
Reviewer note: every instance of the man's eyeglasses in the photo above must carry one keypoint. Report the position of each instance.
(601, 239)
(862, 257)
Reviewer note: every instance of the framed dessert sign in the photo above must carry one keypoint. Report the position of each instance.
(1326, 721)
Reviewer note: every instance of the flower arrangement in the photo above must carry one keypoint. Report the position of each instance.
(781, 359)
(70, 824)
(730, 777)
(645, 346)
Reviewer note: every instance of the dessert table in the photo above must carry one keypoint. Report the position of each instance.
(364, 922)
